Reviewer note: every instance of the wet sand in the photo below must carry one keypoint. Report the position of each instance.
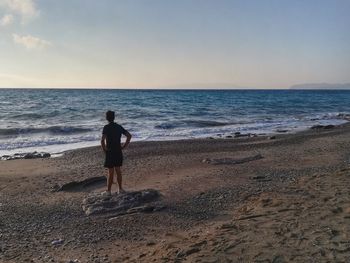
(293, 205)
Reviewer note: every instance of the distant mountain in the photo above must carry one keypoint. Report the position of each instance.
(321, 86)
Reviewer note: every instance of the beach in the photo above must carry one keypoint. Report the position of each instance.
(291, 204)
(229, 122)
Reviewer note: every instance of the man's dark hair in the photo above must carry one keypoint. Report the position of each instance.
(110, 116)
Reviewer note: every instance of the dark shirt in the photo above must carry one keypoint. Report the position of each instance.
(113, 132)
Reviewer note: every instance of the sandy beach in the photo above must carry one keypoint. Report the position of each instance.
(291, 205)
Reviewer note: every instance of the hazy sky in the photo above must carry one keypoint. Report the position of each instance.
(173, 43)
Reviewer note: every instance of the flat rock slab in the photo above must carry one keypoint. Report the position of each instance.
(145, 201)
(76, 185)
(233, 160)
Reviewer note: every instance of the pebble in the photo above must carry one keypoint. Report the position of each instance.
(57, 242)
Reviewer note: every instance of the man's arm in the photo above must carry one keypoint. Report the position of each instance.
(103, 143)
(128, 138)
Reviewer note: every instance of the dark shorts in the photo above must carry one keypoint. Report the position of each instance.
(113, 159)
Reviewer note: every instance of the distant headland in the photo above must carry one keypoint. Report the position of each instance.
(333, 86)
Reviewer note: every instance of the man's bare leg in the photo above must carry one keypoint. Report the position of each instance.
(119, 178)
(110, 179)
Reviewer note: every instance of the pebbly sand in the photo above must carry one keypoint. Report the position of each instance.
(291, 205)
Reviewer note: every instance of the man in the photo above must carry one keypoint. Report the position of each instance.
(112, 147)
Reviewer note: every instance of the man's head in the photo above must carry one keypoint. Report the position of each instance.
(110, 116)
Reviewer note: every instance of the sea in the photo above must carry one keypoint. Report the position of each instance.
(57, 120)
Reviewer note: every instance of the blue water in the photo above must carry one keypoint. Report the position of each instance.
(57, 120)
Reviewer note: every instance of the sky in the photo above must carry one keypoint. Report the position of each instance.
(173, 44)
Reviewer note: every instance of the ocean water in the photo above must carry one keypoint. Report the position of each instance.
(55, 120)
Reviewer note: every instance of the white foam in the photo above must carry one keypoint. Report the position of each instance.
(59, 144)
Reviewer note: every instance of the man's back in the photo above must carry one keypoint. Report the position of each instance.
(113, 132)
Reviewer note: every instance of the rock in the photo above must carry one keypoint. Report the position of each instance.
(57, 242)
(45, 155)
(127, 203)
(239, 135)
(232, 160)
(228, 226)
(324, 127)
(81, 184)
(281, 131)
(150, 243)
(31, 155)
(278, 259)
(337, 210)
(272, 137)
(228, 136)
(55, 188)
(259, 177)
(343, 116)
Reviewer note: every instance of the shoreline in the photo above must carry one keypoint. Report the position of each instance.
(213, 211)
(234, 135)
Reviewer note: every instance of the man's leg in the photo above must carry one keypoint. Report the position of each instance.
(119, 178)
(110, 179)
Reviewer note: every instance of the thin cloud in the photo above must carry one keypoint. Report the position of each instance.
(24, 8)
(6, 20)
(30, 42)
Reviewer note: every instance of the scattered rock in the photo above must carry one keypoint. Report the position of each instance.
(32, 155)
(232, 160)
(121, 204)
(343, 116)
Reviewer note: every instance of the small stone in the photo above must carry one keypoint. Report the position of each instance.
(57, 242)
(259, 177)
(278, 259)
(337, 210)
